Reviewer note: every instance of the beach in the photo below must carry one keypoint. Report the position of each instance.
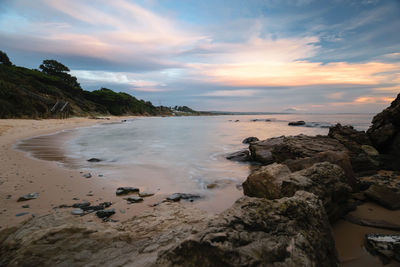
(44, 170)
(20, 174)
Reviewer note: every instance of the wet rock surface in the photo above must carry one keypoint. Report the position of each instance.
(94, 160)
(179, 196)
(259, 232)
(242, 155)
(387, 247)
(296, 123)
(249, 140)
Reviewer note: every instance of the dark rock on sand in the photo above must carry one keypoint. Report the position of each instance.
(325, 180)
(146, 194)
(87, 175)
(25, 206)
(387, 247)
(384, 196)
(94, 160)
(126, 190)
(259, 232)
(100, 206)
(249, 140)
(296, 123)
(105, 213)
(242, 155)
(134, 199)
(80, 205)
(179, 196)
(28, 197)
(21, 214)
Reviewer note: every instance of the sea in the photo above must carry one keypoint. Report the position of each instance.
(169, 155)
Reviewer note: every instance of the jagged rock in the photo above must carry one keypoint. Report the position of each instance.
(385, 129)
(105, 213)
(296, 123)
(242, 155)
(126, 190)
(259, 232)
(249, 140)
(179, 196)
(387, 247)
(385, 134)
(28, 197)
(339, 158)
(94, 160)
(325, 180)
(61, 239)
(359, 147)
(384, 196)
(134, 199)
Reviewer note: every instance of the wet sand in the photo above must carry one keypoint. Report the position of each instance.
(350, 237)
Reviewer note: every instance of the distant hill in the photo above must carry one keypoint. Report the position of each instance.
(26, 93)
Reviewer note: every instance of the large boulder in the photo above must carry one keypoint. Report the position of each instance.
(301, 151)
(385, 132)
(325, 180)
(258, 232)
(384, 196)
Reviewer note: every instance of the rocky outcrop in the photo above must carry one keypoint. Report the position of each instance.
(296, 123)
(325, 180)
(364, 158)
(259, 232)
(301, 151)
(385, 134)
(60, 239)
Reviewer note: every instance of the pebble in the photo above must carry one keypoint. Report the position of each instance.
(25, 206)
(21, 214)
(87, 175)
(77, 212)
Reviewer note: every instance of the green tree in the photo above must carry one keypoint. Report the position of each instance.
(55, 68)
(4, 59)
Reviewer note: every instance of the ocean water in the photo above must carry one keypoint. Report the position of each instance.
(187, 154)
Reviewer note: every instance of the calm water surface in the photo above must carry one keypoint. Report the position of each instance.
(186, 154)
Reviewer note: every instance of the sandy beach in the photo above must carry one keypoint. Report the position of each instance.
(21, 174)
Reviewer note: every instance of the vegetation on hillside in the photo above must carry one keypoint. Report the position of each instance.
(26, 93)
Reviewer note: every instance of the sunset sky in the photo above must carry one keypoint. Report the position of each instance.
(232, 55)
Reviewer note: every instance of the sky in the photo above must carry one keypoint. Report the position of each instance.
(226, 55)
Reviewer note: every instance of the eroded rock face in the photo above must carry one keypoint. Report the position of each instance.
(387, 247)
(325, 180)
(385, 134)
(61, 239)
(300, 152)
(363, 157)
(259, 232)
(385, 130)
